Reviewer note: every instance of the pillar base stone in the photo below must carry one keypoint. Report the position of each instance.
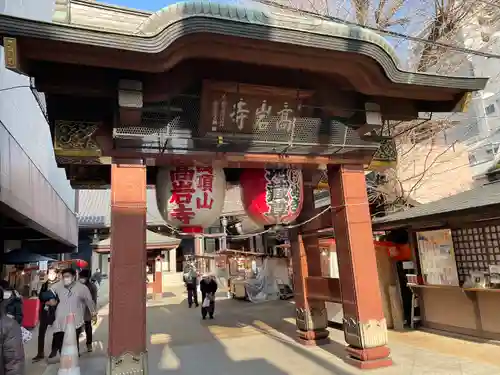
(313, 338)
(128, 364)
(370, 358)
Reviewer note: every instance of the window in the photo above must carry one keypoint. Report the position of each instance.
(489, 109)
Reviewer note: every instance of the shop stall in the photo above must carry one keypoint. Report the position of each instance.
(390, 266)
(240, 266)
(455, 245)
(25, 272)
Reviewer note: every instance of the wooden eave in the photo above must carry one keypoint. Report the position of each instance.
(370, 67)
(477, 205)
(456, 219)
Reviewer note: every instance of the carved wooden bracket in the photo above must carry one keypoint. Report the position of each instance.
(76, 139)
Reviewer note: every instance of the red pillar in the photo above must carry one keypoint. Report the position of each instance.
(365, 328)
(311, 316)
(127, 324)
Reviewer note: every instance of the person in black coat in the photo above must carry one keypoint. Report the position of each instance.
(12, 358)
(48, 305)
(208, 287)
(12, 302)
(191, 281)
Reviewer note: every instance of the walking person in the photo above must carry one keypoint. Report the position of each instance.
(97, 278)
(48, 305)
(208, 287)
(12, 302)
(74, 298)
(11, 344)
(84, 278)
(191, 281)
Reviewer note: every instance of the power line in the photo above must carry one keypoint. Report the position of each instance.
(16, 87)
(381, 31)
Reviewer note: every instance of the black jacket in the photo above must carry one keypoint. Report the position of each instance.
(47, 313)
(208, 287)
(12, 349)
(14, 307)
(87, 316)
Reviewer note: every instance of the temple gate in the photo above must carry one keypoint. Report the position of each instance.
(204, 84)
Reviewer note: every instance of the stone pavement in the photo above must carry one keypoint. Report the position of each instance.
(245, 339)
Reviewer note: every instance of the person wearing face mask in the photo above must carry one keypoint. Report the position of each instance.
(74, 298)
(84, 278)
(48, 305)
(11, 344)
(12, 302)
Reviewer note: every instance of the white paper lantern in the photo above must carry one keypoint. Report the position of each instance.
(190, 198)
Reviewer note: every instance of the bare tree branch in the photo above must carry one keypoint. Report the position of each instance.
(422, 149)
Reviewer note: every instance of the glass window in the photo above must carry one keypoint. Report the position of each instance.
(490, 109)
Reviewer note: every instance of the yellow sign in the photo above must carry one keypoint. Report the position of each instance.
(381, 165)
(11, 58)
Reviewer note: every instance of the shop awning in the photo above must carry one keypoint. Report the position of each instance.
(480, 199)
(23, 256)
(153, 241)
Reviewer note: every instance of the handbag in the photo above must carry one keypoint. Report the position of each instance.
(26, 335)
(206, 302)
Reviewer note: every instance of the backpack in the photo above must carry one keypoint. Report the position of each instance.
(191, 277)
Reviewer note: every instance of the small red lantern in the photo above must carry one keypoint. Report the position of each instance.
(272, 196)
(81, 263)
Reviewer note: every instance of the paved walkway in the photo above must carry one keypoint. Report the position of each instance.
(245, 339)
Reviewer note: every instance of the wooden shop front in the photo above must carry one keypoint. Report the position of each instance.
(455, 244)
(201, 85)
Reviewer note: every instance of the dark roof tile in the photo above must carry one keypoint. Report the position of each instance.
(482, 196)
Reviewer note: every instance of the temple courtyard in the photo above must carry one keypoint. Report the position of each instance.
(248, 339)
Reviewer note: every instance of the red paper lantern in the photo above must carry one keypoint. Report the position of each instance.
(272, 196)
(81, 263)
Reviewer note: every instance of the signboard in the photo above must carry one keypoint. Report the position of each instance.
(43, 266)
(437, 258)
(245, 109)
(11, 54)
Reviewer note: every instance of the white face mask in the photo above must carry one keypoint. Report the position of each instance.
(67, 280)
(7, 294)
(83, 281)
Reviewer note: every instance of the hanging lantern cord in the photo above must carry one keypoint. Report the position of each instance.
(243, 236)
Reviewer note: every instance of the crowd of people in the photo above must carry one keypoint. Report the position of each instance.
(65, 292)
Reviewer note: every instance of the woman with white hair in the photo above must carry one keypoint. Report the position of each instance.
(208, 287)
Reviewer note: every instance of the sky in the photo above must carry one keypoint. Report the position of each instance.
(152, 5)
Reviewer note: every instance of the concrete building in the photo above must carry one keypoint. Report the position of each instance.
(37, 202)
(478, 129)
